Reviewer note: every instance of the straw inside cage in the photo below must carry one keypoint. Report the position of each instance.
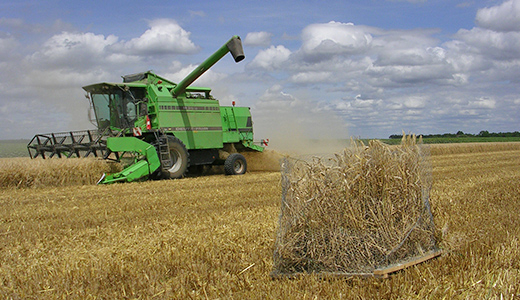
(361, 210)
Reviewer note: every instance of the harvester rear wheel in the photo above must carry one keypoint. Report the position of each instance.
(179, 158)
(235, 164)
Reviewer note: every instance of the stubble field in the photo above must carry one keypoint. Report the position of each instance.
(212, 237)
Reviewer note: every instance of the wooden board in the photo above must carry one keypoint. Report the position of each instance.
(378, 273)
(384, 272)
(321, 275)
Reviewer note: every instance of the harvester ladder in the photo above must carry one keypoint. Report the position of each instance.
(163, 149)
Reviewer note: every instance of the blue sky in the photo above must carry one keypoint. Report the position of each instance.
(312, 69)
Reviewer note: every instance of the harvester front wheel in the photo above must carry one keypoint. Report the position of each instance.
(179, 159)
(235, 164)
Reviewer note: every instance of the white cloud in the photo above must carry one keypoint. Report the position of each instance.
(165, 36)
(497, 45)
(271, 59)
(261, 38)
(89, 51)
(415, 102)
(398, 75)
(63, 79)
(334, 38)
(7, 47)
(504, 17)
(53, 73)
(179, 72)
(483, 102)
(407, 48)
(73, 50)
(361, 103)
(311, 77)
(407, 57)
(464, 58)
(275, 99)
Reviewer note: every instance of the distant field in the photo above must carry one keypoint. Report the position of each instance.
(212, 237)
(13, 148)
(451, 140)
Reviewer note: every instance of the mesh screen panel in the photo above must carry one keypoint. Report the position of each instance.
(363, 209)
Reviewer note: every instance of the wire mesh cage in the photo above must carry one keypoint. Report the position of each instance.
(364, 209)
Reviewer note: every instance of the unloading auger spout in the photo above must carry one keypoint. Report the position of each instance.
(234, 45)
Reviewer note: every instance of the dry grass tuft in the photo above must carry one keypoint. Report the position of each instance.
(365, 208)
(26, 172)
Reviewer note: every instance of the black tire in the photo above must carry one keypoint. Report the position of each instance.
(235, 164)
(180, 160)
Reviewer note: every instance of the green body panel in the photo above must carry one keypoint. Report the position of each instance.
(196, 122)
(237, 127)
(236, 124)
(146, 162)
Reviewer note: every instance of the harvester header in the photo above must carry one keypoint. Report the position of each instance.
(167, 127)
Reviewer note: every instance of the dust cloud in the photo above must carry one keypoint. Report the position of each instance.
(294, 126)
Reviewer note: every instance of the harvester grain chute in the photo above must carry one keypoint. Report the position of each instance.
(167, 127)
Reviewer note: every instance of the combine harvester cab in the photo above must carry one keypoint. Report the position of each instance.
(167, 127)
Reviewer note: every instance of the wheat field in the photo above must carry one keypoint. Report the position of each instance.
(212, 237)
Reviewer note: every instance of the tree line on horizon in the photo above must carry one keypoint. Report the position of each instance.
(483, 133)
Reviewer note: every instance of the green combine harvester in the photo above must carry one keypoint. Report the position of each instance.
(167, 128)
